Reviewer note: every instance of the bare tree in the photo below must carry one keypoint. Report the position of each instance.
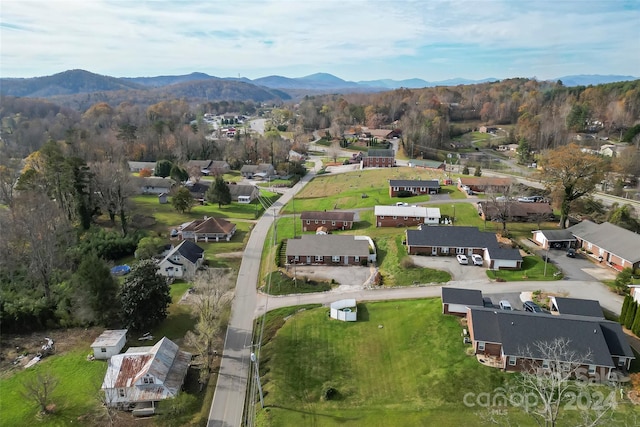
(498, 205)
(114, 187)
(334, 151)
(38, 388)
(211, 300)
(555, 380)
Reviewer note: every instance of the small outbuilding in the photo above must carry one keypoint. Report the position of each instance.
(109, 343)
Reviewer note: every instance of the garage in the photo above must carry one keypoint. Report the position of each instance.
(456, 300)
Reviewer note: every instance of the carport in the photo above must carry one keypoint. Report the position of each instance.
(554, 239)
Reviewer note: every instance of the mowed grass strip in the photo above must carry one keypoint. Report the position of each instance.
(403, 363)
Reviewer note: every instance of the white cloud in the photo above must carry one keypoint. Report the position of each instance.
(160, 37)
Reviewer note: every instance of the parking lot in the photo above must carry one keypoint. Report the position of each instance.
(451, 265)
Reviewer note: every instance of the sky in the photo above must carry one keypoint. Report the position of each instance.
(352, 39)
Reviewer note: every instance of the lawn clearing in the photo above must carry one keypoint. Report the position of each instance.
(281, 284)
(412, 371)
(345, 191)
(75, 396)
(532, 269)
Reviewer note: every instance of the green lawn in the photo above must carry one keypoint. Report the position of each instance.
(345, 191)
(412, 371)
(532, 269)
(281, 284)
(76, 394)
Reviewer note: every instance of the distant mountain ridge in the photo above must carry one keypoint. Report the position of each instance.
(202, 86)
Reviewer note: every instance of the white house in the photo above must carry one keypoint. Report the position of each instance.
(109, 343)
(141, 377)
(182, 261)
(155, 185)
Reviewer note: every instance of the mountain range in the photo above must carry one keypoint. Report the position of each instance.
(205, 87)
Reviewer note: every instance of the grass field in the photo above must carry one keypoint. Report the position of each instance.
(532, 269)
(345, 191)
(412, 371)
(401, 364)
(75, 396)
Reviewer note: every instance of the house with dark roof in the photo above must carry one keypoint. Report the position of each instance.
(209, 167)
(557, 239)
(331, 220)
(481, 184)
(263, 170)
(379, 158)
(243, 193)
(514, 211)
(142, 376)
(576, 306)
(456, 300)
(511, 339)
(616, 246)
(330, 249)
(405, 216)
(209, 229)
(154, 185)
(414, 187)
(450, 241)
(198, 189)
(182, 261)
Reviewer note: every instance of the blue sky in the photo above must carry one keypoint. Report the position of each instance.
(352, 39)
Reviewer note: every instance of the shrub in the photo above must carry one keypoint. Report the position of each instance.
(404, 193)
(329, 392)
(407, 262)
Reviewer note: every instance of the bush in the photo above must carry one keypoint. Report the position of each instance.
(329, 392)
(404, 193)
(407, 262)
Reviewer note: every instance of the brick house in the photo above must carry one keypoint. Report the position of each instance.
(608, 243)
(405, 216)
(379, 158)
(330, 249)
(515, 211)
(481, 184)
(415, 187)
(209, 229)
(510, 337)
(331, 220)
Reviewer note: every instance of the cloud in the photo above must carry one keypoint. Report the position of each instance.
(160, 37)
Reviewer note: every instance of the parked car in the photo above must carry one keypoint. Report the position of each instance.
(504, 305)
(571, 253)
(531, 307)
(462, 259)
(486, 301)
(477, 260)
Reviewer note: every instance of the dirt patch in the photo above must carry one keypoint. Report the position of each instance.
(17, 350)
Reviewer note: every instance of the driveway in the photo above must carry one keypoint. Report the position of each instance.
(459, 273)
(578, 268)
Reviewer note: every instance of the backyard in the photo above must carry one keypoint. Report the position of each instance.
(401, 364)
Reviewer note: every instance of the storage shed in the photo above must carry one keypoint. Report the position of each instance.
(109, 343)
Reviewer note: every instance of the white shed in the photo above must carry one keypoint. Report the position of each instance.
(109, 343)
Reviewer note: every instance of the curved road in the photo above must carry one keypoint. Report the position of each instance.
(229, 397)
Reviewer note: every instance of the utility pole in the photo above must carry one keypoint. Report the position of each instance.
(254, 359)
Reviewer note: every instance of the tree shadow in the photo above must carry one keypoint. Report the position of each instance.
(363, 312)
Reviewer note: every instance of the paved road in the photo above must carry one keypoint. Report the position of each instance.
(228, 400)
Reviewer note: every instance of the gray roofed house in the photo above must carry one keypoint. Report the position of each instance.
(243, 190)
(447, 240)
(379, 158)
(249, 171)
(511, 337)
(456, 300)
(415, 187)
(428, 164)
(444, 236)
(154, 184)
(614, 245)
(330, 249)
(576, 306)
(182, 261)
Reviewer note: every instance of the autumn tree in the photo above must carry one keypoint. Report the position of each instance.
(570, 174)
(144, 296)
(114, 187)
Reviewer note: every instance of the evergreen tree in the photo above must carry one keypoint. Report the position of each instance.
(178, 174)
(635, 328)
(94, 291)
(478, 171)
(631, 315)
(163, 168)
(219, 193)
(465, 171)
(144, 297)
(625, 307)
